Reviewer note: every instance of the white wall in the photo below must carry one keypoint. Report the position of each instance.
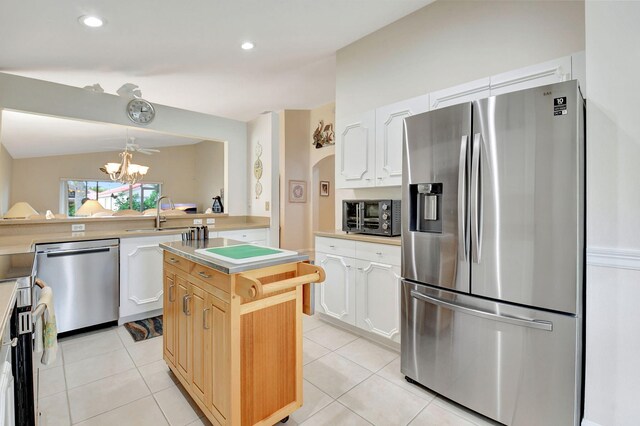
(6, 168)
(452, 42)
(172, 166)
(322, 162)
(445, 44)
(208, 172)
(613, 210)
(295, 142)
(42, 97)
(264, 129)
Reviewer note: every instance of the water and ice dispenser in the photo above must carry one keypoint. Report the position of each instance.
(426, 207)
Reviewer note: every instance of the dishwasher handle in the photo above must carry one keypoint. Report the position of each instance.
(77, 252)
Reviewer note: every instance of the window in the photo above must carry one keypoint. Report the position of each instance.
(112, 196)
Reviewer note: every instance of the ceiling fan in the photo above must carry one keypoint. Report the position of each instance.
(134, 147)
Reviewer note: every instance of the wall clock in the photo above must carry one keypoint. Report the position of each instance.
(140, 111)
(257, 169)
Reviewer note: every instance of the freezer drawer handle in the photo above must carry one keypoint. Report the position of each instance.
(531, 323)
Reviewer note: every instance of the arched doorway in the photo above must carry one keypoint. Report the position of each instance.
(323, 205)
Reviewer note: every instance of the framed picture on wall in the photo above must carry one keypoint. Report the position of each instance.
(324, 188)
(297, 191)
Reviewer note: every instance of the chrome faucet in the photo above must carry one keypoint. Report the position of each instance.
(161, 219)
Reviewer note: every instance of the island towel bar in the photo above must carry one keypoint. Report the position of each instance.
(253, 288)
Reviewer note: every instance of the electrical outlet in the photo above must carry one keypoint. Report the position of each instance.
(210, 221)
(266, 206)
(78, 227)
(197, 221)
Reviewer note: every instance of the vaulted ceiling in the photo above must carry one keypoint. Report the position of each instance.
(187, 54)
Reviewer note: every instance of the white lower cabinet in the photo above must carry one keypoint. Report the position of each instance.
(258, 236)
(337, 297)
(378, 298)
(141, 274)
(362, 287)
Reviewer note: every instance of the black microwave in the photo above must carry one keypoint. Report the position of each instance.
(374, 217)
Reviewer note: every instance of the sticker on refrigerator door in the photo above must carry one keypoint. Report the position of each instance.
(560, 106)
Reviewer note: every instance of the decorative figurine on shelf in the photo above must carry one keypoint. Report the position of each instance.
(217, 206)
(323, 135)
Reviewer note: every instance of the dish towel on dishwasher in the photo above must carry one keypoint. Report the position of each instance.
(46, 338)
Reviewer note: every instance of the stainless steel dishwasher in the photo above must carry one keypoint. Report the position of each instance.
(84, 276)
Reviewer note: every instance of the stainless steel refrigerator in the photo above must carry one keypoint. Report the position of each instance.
(493, 243)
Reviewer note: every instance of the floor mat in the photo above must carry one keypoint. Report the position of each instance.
(145, 329)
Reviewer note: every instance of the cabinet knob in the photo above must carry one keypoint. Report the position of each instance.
(379, 253)
(349, 266)
(360, 269)
(203, 275)
(332, 246)
(173, 260)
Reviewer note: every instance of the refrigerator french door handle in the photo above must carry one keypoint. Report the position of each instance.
(462, 200)
(476, 199)
(523, 322)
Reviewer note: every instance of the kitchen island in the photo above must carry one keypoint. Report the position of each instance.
(233, 327)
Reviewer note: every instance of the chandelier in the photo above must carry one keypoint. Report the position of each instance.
(125, 171)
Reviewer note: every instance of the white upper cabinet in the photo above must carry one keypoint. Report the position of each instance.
(466, 92)
(551, 72)
(355, 151)
(389, 134)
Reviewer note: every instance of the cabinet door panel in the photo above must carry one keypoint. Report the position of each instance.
(141, 274)
(355, 151)
(389, 133)
(551, 72)
(462, 93)
(245, 235)
(184, 320)
(201, 345)
(169, 318)
(336, 296)
(378, 299)
(218, 323)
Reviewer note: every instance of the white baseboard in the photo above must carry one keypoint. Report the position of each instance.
(356, 330)
(137, 317)
(613, 258)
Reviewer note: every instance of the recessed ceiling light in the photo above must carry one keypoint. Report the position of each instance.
(247, 45)
(91, 21)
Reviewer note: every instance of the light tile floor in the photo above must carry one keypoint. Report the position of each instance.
(105, 378)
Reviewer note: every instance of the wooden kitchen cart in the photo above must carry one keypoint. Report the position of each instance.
(234, 340)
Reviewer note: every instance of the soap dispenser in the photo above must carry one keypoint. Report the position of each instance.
(217, 206)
